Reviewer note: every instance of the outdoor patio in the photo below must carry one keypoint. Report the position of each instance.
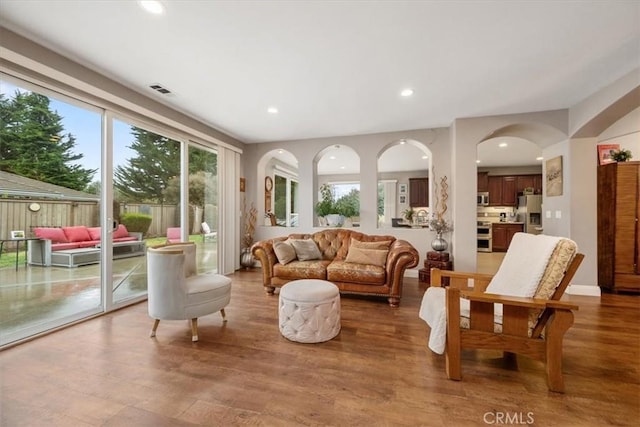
(33, 295)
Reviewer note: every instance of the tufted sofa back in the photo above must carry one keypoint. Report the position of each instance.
(335, 242)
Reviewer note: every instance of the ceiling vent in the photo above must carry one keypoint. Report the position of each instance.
(161, 89)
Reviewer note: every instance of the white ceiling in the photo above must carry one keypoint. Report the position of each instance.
(337, 68)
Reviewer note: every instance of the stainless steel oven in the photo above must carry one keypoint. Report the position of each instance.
(484, 237)
(483, 199)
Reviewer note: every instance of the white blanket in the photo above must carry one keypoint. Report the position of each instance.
(519, 275)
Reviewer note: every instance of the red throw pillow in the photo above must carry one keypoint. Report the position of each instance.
(121, 232)
(56, 235)
(78, 233)
(94, 232)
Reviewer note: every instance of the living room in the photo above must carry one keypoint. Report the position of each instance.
(604, 109)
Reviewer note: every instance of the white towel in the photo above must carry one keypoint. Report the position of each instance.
(519, 275)
(523, 265)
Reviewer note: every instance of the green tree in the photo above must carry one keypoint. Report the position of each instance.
(148, 176)
(33, 143)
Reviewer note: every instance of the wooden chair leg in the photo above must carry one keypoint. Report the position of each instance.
(224, 315)
(559, 323)
(155, 328)
(453, 347)
(194, 329)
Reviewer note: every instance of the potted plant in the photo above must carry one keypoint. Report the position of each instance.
(408, 214)
(621, 155)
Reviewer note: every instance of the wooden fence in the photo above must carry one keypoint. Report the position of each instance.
(15, 215)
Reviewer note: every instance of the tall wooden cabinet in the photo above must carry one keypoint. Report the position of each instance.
(618, 228)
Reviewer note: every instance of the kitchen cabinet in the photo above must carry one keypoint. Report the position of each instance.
(495, 190)
(418, 192)
(509, 193)
(529, 181)
(502, 233)
(618, 233)
(483, 182)
(502, 191)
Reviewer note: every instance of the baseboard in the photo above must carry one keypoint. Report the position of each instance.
(411, 273)
(592, 291)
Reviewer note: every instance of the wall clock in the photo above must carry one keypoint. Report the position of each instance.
(34, 207)
(268, 183)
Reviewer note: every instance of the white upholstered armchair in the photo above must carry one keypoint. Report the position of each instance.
(177, 292)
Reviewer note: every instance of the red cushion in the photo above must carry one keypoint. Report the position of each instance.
(94, 232)
(78, 233)
(121, 232)
(56, 235)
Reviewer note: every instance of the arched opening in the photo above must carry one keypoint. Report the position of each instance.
(337, 202)
(278, 186)
(403, 184)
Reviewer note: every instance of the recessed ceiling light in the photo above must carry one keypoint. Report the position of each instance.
(406, 92)
(502, 144)
(280, 151)
(152, 6)
(272, 110)
(332, 157)
(477, 161)
(539, 158)
(341, 167)
(402, 142)
(425, 157)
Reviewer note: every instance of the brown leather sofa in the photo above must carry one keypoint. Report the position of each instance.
(350, 277)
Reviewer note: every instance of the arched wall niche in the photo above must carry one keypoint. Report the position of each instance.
(397, 162)
(338, 166)
(279, 196)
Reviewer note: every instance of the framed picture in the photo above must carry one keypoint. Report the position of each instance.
(402, 189)
(17, 234)
(604, 153)
(403, 199)
(554, 176)
(243, 184)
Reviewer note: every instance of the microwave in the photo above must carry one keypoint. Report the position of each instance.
(483, 199)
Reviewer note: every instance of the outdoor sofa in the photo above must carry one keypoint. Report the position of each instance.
(79, 245)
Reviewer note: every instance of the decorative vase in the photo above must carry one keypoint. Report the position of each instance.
(246, 258)
(439, 244)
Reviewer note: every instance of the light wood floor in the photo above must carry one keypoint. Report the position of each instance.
(376, 372)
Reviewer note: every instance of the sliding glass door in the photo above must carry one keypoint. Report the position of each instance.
(50, 168)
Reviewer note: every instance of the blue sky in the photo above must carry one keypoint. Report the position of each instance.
(85, 126)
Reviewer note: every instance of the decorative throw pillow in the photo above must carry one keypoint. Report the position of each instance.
(284, 252)
(120, 232)
(306, 249)
(383, 244)
(367, 256)
(78, 233)
(56, 235)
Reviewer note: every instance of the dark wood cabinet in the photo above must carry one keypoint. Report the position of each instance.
(483, 182)
(502, 233)
(504, 190)
(529, 181)
(618, 228)
(418, 192)
(537, 183)
(495, 190)
(524, 181)
(509, 193)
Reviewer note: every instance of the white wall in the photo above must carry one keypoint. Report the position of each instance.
(368, 147)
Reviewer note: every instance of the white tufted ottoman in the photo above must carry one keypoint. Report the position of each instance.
(309, 310)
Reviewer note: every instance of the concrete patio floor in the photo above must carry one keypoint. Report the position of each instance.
(33, 296)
